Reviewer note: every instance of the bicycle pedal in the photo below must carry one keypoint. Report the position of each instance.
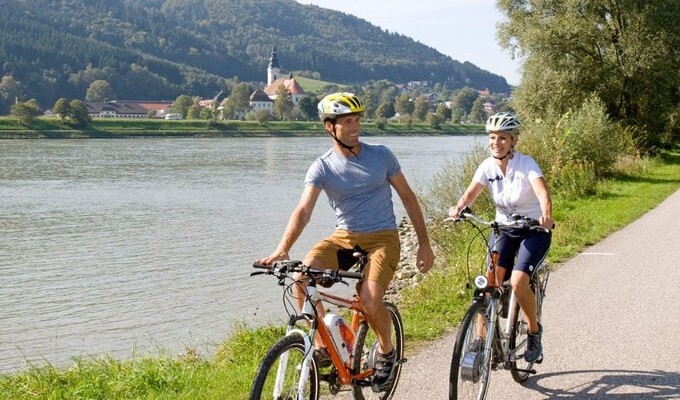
(361, 382)
(531, 371)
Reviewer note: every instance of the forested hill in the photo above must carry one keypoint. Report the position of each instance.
(159, 49)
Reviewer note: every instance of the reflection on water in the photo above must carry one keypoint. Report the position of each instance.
(117, 246)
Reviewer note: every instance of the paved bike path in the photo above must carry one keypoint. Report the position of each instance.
(612, 324)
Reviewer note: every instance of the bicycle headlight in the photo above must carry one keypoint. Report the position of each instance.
(481, 282)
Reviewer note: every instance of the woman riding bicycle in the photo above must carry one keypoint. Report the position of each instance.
(517, 186)
(358, 179)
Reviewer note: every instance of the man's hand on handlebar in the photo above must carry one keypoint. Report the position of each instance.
(275, 256)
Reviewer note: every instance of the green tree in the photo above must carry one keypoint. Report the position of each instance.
(63, 109)
(283, 104)
(262, 116)
(443, 112)
(421, 108)
(624, 51)
(462, 99)
(100, 90)
(11, 91)
(181, 105)
(477, 113)
(80, 116)
(434, 121)
(195, 112)
(239, 99)
(308, 107)
(457, 115)
(26, 111)
(403, 105)
(385, 110)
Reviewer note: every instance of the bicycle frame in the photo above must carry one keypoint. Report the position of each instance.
(310, 314)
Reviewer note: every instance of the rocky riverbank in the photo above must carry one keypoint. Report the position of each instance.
(407, 274)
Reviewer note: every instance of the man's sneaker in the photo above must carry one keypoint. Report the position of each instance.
(323, 359)
(534, 346)
(384, 371)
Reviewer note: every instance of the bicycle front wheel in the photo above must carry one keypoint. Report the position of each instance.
(518, 345)
(469, 377)
(279, 374)
(365, 352)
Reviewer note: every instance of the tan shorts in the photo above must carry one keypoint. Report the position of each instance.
(383, 248)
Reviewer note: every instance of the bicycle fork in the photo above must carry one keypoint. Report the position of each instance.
(508, 327)
(304, 368)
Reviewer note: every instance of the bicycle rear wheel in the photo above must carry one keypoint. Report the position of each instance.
(285, 359)
(468, 377)
(518, 336)
(365, 352)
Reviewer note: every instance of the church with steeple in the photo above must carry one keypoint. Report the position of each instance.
(264, 98)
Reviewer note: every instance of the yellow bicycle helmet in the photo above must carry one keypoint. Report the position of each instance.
(338, 104)
(503, 122)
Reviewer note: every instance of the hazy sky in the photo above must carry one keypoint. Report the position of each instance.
(462, 29)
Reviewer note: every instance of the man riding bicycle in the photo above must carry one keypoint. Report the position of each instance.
(517, 186)
(358, 179)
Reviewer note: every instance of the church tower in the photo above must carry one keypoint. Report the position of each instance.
(273, 70)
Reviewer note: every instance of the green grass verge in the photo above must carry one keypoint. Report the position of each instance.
(429, 310)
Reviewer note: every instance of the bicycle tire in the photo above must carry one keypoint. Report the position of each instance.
(518, 336)
(518, 345)
(465, 381)
(365, 341)
(294, 348)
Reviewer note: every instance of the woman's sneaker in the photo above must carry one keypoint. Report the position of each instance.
(534, 346)
(384, 371)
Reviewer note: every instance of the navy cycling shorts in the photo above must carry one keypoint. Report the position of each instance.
(530, 246)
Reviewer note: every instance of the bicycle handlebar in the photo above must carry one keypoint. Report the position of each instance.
(519, 221)
(283, 268)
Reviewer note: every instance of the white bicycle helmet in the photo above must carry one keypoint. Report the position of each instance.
(338, 104)
(503, 122)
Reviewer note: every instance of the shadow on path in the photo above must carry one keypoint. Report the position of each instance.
(609, 384)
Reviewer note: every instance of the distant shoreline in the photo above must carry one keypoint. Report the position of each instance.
(114, 128)
(36, 135)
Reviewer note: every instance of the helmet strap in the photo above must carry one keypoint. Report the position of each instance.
(343, 145)
(505, 156)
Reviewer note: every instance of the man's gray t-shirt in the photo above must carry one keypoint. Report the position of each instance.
(358, 188)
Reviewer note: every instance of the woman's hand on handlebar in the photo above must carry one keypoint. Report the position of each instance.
(454, 212)
(547, 222)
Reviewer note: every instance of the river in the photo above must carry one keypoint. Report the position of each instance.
(127, 246)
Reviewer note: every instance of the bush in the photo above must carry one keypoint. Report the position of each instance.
(574, 180)
(380, 123)
(583, 142)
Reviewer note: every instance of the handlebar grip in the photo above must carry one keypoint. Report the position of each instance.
(351, 275)
(262, 266)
